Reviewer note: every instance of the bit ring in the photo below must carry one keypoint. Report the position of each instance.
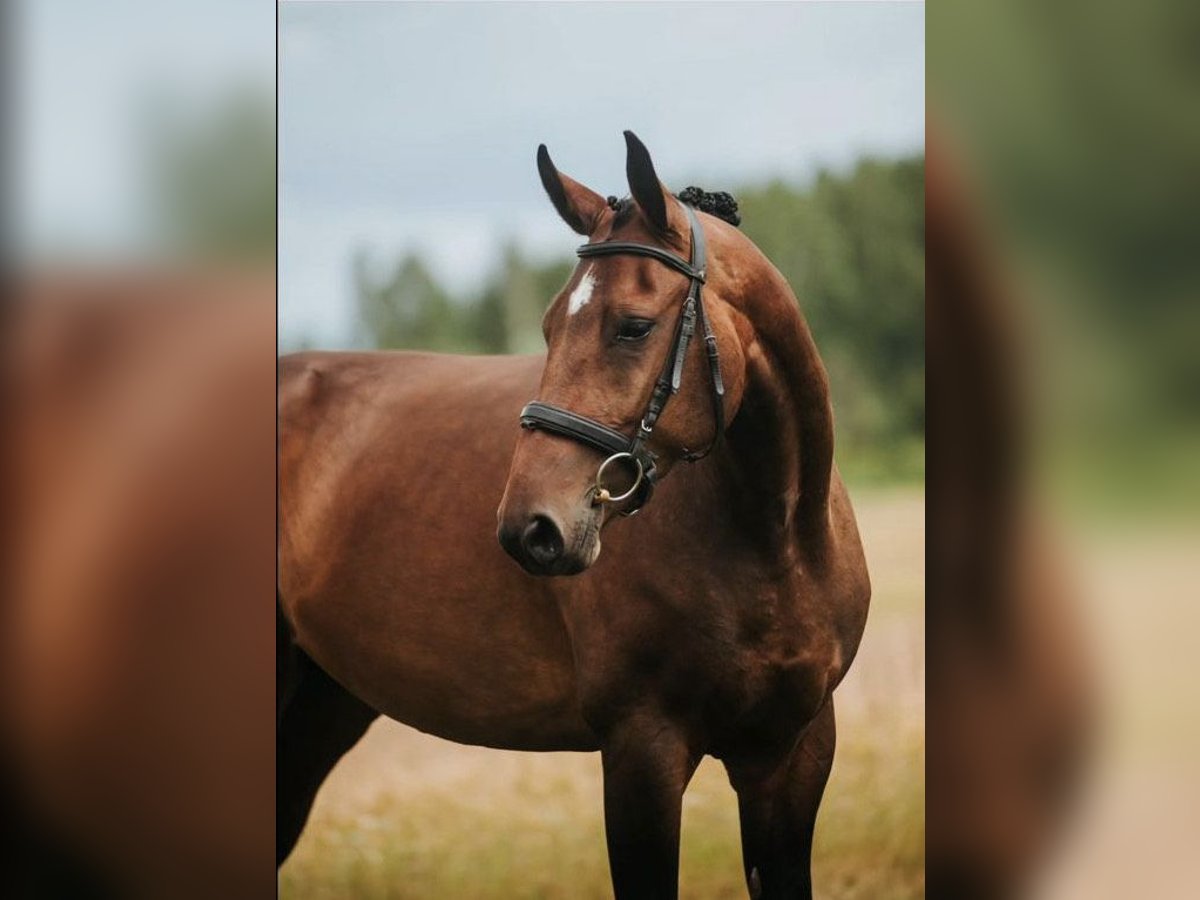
(602, 494)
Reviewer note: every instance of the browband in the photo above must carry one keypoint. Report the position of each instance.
(563, 422)
(612, 248)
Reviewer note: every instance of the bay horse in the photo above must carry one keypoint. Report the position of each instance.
(719, 621)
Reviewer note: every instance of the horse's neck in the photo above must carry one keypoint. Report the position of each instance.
(781, 442)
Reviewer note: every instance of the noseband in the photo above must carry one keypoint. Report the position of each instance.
(616, 446)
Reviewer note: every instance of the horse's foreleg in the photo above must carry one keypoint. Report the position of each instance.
(647, 765)
(318, 721)
(778, 808)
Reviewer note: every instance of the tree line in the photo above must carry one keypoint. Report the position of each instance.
(852, 245)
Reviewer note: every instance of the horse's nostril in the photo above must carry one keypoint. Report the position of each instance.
(543, 541)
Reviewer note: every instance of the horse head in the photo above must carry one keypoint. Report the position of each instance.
(637, 325)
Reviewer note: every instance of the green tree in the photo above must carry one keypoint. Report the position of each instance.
(853, 249)
(408, 309)
(210, 177)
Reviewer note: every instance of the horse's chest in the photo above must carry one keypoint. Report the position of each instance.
(722, 674)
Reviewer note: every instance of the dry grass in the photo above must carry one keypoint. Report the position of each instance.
(407, 815)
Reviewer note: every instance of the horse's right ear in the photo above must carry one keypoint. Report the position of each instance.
(579, 206)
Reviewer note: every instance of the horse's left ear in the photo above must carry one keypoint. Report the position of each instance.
(647, 190)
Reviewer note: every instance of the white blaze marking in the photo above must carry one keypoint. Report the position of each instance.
(582, 293)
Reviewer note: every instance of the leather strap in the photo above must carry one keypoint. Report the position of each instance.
(632, 248)
(563, 422)
(608, 441)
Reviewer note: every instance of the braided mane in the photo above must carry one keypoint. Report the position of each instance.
(715, 203)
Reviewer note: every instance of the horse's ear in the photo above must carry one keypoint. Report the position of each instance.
(644, 185)
(579, 206)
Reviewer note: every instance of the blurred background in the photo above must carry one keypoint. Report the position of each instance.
(1063, 211)
(412, 216)
(137, 348)
(141, 133)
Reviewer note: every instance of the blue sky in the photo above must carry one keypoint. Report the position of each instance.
(414, 125)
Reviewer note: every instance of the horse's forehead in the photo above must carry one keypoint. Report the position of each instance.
(581, 293)
(582, 301)
(600, 279)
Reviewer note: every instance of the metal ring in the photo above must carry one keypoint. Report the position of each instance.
(602, 494)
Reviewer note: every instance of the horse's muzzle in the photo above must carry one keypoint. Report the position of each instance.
(539, 545)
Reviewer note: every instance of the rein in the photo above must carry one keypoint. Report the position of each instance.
(617, 446)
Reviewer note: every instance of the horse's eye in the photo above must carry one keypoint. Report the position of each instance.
(631, 330)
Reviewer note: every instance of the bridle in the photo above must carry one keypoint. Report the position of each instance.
(616, 446)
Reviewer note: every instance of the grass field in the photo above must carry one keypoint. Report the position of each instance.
(406, 815)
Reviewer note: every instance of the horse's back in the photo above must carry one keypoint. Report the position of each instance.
(317, 387)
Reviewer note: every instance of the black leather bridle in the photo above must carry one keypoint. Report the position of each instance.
(613, 444)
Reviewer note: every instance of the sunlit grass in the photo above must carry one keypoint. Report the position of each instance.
(407, 816)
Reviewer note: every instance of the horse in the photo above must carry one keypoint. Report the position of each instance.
(442, 566)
